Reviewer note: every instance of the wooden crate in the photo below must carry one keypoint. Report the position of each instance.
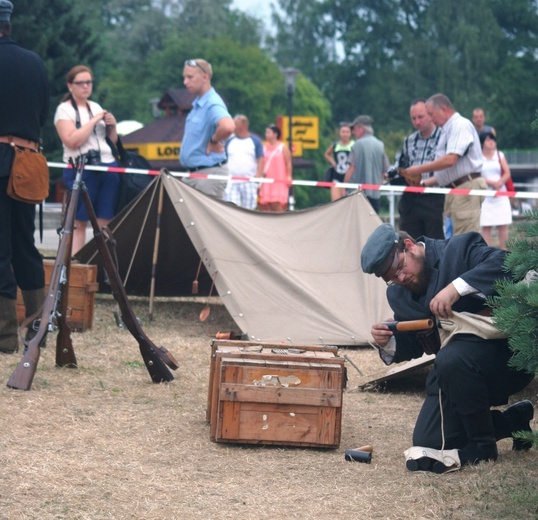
(275, 394)
(81, 298)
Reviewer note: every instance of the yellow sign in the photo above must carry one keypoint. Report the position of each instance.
(305, 130)
(156, 151)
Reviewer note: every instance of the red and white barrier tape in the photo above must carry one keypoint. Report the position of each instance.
(318, 184)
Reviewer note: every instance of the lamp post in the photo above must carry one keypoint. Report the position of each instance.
(290, 75)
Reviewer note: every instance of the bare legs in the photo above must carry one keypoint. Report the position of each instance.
(502, 232)
(79, 234)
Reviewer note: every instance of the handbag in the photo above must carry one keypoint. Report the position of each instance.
(29, 176)
(132, 184)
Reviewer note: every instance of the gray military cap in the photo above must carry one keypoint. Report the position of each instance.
(6, 8)
(363, 121)
(379, 255)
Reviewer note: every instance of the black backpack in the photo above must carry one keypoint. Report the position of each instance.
(132, 184)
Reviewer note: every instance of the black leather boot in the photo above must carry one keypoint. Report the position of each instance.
(9, 326)
(33, 300)
(481, 445)
(519, 416)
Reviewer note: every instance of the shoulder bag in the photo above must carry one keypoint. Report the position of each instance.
(29, 176)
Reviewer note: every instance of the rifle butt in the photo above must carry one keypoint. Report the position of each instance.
(167, 358)
(23, 375)
(65, 355)
(155, 365)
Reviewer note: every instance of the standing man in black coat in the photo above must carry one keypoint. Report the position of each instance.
(24, 103)
(448, 280)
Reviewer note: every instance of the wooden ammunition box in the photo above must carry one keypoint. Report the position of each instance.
(81, 298)
(261, 393)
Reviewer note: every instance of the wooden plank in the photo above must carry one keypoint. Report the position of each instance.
(268, 346)
(277, 424)
(229, 412)
(326, 426)
(280, 395)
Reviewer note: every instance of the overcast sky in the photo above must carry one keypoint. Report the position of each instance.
(258, 8)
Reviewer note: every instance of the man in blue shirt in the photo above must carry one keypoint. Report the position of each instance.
(208, 127)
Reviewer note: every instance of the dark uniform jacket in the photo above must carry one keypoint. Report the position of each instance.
(464, 256)
(24, 97)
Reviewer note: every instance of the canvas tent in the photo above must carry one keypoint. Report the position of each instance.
(292, 277)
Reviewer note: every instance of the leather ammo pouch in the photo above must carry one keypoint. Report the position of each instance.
(429, 340)
(29, 177)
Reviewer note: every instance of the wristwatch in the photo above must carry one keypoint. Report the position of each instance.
(212, 141)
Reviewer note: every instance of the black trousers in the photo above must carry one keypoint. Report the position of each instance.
(473, 375)
(20, 261)
(422, 215)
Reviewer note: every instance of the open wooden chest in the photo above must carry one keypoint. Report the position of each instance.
(262, 393)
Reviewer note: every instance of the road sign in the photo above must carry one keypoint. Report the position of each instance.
(305, 131)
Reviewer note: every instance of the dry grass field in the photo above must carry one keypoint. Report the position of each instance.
(104, 442)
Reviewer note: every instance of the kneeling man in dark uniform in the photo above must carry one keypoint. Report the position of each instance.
(449, 280)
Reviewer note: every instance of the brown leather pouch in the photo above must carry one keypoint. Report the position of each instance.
(429, 340)
(29, 177)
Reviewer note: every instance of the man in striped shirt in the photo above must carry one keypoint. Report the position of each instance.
(457, 164)
(421, 214)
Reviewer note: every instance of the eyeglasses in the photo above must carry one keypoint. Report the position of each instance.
(194, 63)
(398, 272)
(83, 83)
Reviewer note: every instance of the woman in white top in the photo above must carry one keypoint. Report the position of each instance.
(496, 211)
(83, 127)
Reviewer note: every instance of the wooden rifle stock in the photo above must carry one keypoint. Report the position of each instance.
(56, 296)
(156, 358)
(409, 326)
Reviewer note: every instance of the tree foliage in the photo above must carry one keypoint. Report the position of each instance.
(516, 306)
(481, 53)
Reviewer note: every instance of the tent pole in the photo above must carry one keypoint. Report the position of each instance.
(156, 250)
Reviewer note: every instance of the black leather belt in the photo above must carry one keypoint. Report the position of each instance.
(465, 178)
(198, 168)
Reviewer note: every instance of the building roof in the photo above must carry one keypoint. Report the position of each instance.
(177, 100)
(163, 130)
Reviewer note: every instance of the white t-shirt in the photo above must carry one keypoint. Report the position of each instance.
(243, 155)
(97, 139)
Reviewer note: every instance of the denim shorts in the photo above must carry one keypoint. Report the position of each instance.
(103, 189)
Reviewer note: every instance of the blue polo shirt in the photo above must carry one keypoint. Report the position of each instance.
(200, 126)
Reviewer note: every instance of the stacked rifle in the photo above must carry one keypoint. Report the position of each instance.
(54, 310)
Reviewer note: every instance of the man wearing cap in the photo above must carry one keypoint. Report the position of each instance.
(24, 104)
(448, 281)
(457, 164)
(367, 160)
(208, 127)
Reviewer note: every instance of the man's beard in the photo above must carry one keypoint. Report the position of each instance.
(420, 286)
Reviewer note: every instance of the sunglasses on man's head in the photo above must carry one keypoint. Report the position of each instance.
(194, 63)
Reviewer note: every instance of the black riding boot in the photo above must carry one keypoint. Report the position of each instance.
(481, 445)
(33, 300)
(9, 326)
(515, 418)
